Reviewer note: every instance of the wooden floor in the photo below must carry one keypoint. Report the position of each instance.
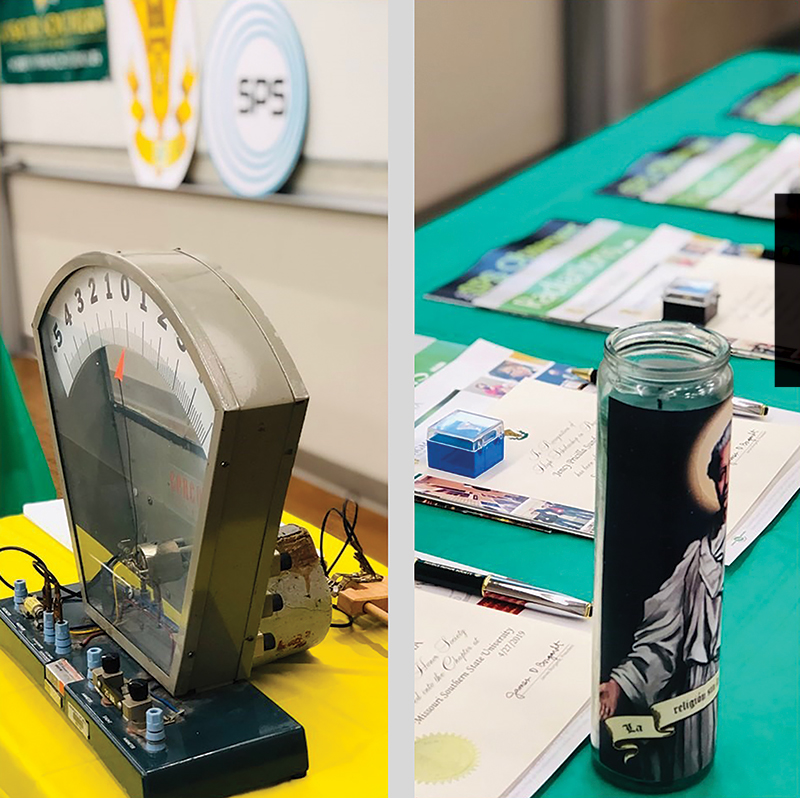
(304, 500)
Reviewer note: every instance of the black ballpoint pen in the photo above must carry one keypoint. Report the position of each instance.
(479, 584)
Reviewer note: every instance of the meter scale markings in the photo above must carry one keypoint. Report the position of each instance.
(97, 308)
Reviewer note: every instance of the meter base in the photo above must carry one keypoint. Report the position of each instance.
(224, 741)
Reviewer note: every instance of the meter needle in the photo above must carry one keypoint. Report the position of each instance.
(118, 375)
(120, 369)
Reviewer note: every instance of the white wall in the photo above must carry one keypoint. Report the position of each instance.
(345, 44)
(489, 90)
(685, 37)
(320, 275)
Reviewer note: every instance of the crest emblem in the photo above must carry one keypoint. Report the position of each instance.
(158, 68)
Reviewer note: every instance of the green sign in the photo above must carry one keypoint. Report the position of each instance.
(47, 41)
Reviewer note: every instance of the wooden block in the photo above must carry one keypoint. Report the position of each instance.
(353, 598)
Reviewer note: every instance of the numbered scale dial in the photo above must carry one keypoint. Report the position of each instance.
(101, 309)
(135, 426)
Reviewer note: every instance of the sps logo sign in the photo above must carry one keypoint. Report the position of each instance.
(256, 90)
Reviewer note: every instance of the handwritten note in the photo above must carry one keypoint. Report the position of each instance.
(556, 460)
(569, 451)
(758, 451)
(483, 678)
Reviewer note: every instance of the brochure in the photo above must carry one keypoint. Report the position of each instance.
(739, 174)
(607, 274)
(775, 104)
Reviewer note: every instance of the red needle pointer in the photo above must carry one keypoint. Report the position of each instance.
(120, 367)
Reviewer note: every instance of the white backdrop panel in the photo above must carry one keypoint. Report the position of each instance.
(345, 44)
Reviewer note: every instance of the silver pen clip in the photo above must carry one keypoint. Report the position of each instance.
(536, 597)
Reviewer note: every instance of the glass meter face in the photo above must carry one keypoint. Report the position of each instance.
(133, 424)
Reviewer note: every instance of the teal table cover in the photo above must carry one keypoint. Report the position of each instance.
(24, 474)
(758, 743)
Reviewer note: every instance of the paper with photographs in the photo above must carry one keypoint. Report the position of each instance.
(739, 174)
(775, 104)
(546, 480)
(476, 381)
(607, 274)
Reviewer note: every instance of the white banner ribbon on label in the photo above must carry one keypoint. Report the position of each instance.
(627, 731)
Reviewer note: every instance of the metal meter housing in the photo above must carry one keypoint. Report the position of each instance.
(243, 442)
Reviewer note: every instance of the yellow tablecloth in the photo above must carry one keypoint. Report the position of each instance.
(337, 691)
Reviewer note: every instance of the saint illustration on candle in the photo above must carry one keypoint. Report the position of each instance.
(670, 676)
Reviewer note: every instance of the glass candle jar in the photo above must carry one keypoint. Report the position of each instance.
(664, 426)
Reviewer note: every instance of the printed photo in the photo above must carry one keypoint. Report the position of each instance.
(492, 388)
(469, 495)
(559, 516)
(513, 370)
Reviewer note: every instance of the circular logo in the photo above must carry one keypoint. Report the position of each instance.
(439, 758)
(256, 96)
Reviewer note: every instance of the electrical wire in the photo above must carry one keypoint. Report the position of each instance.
(86, 640)
(83, 630)
(351, 539)
(346, 524)
(347, 624)
(41, 568)
(36, 559)
(166, 703)
(176, 711)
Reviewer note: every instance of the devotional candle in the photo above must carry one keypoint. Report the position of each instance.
(664, 431)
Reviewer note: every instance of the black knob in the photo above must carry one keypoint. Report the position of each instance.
(269, 641)
(286, 561)
(110, 663)
(137, 689)
(277, 602)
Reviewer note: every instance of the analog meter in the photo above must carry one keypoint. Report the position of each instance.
(177, 412)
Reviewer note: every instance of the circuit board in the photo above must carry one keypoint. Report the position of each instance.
(222, 741)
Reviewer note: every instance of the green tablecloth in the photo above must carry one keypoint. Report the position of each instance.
(24, 475)
(758, 750)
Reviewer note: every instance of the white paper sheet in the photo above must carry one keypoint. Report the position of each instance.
(493, 691)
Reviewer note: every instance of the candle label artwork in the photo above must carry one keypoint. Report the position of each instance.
(661, 593)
